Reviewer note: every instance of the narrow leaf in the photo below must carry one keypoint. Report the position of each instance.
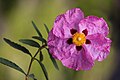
(53, 60)
(41, 56)
(43, 69)
(32, 76)
(30, 42)
(17, 46)
(37, 30)
(46, 28)
(11, 64)
(39, 38)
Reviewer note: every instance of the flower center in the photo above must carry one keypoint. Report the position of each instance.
(78, 39)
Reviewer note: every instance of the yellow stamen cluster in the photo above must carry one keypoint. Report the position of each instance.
(79, 39)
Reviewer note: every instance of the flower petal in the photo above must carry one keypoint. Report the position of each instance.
(99, 47)
(58, 47)
(61, 27)
(67, 21)
(79, 60)
(94, 25)
(74, 15)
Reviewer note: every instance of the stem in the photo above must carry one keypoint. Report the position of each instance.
(43, 46)
(26, 78)
(32, 59)
(30, 66)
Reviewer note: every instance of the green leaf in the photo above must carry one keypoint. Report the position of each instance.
(32, 76)
(30, 42)
(17, 46)
(11, 64)
(46, 28)
(41, 56)
(39, 38)
(37, 30)
(53, 60)
(44, 70)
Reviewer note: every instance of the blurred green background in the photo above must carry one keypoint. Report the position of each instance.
(15, 23)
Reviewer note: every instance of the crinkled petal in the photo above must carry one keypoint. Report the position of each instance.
(58, 47)
(61, 27)
(79, 60)
(94, 25)
(67, 21)
(74, 15)
(90, 27)
(99, 47)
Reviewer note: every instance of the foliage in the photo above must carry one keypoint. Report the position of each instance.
(31, 43)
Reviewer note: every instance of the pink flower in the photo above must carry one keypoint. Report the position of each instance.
(77, 41)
